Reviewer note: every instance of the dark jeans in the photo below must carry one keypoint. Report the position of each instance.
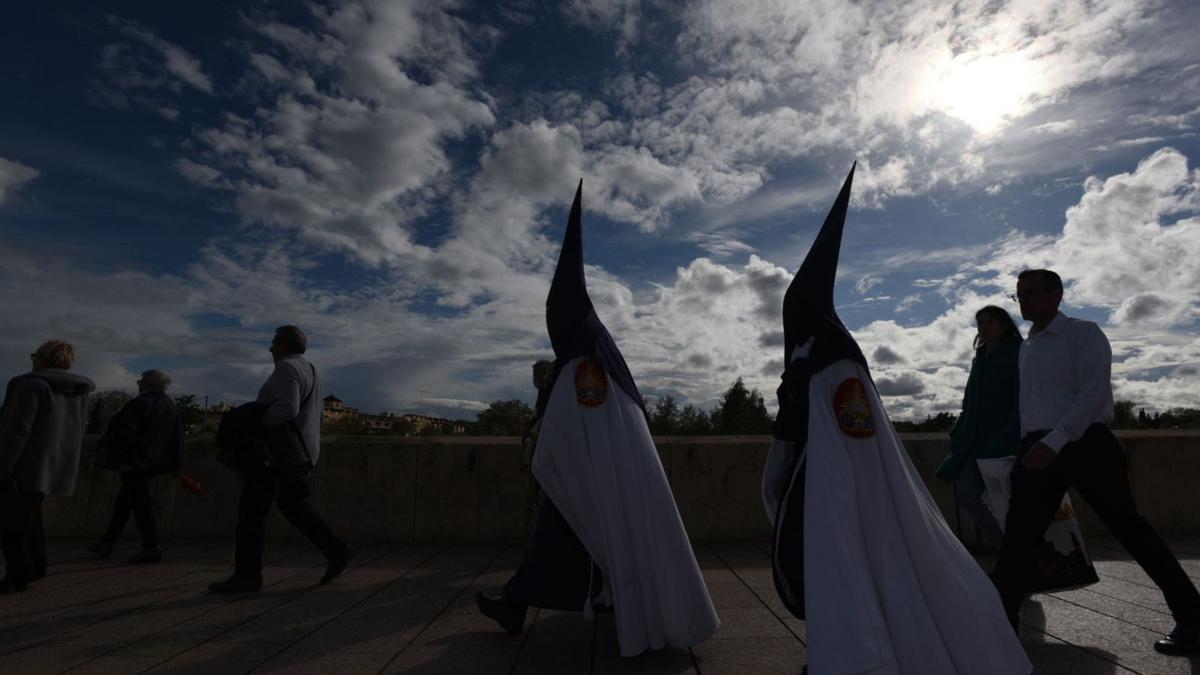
(1095, 465)
(259, 489)
(134, 498)
(23, 538)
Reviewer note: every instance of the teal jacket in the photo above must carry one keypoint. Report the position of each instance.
(990, 424)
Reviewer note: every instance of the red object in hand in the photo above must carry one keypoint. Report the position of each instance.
(189, 484)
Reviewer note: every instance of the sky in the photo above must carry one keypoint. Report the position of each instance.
(178, 179)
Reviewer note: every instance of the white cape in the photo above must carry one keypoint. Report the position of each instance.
(600, 468)
(888, 588)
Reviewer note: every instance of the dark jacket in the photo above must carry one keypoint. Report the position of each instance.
(41, 431)
(244, 443)
(146, 434)
(990, 423)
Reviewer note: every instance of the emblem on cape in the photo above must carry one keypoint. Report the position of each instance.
(591, 384)
(852, 411)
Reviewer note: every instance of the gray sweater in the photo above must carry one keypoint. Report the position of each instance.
(41, 430)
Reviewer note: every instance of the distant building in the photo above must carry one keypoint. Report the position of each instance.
(335, 410)
(441, 424)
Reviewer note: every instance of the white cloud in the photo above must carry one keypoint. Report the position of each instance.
(14, 176)
(145, 62)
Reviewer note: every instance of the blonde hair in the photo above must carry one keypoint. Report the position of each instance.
(56, 354)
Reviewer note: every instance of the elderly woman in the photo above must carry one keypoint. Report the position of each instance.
(142, 440)
(989, 425)
(41, 433)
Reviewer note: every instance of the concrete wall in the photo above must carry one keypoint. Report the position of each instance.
(375, 489)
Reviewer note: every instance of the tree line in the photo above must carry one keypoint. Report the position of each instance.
(741, 411)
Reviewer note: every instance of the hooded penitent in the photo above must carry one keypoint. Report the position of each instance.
(597, 463)
(860, 549)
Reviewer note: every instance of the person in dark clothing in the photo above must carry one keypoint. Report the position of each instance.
(990, 424)
(142, 440)
(557, 572)
(41, 435)
(1066, 407)
(289, 422)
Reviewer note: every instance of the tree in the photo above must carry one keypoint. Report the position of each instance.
(503, 418)
(103, 405)
(663, 419)
(191, 415)
(694, 421)
(741, 411)
(1123, 417)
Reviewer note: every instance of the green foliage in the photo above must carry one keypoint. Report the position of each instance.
(741, 411)
(503, 418)
(941, 422)
(1173, 418)
(191, 414)
(102, 405)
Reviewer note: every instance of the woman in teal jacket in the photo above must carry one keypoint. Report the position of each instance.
(989, 425)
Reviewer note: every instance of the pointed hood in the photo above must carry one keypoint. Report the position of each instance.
(808, 309)
(571, 319)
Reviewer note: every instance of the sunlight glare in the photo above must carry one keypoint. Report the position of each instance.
(986, 92)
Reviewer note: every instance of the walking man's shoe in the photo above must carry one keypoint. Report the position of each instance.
(336, 565)
(236, 584)
(1182, 641)
(495, 607)
(102, 549)
(8, 586)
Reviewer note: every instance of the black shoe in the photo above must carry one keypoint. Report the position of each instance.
(148, 556)
(236, 584)
(7, 586)
(1184, 640)
(510, 617)
(102, 549)
(336, 565)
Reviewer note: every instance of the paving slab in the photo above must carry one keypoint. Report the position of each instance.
(409, 608)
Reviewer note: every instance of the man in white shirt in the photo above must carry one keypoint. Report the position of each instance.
(292, 395)
(1066, 406)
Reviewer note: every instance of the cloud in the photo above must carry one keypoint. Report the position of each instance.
(902, 384)
(886, 356)
(621, 16)
(13, 177)
(144, 69)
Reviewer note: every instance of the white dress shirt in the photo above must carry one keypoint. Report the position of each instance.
(293, 392)
(1066, 383)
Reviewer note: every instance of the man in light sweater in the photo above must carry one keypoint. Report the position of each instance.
(291, 395)
(1066, 406)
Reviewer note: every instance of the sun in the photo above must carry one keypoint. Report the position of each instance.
(986, 92)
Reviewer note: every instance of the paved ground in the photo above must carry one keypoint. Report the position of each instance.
(410, 609)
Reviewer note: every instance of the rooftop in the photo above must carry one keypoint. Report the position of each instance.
(410, 608)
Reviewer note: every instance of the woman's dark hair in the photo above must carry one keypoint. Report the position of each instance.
(998, 313)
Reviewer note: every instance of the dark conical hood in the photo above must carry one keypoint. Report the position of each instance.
(571, 319)
(568, 304)
(808, 305)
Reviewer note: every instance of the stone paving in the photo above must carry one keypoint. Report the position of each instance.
(410, 609)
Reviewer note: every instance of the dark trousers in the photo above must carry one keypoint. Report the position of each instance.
(259, 489)
(557, 572)
(1095, 465)
(134, 498)
(23, 538)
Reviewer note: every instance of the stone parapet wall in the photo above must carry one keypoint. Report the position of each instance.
(473, 489)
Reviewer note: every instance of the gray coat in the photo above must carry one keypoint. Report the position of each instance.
(41, 430)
